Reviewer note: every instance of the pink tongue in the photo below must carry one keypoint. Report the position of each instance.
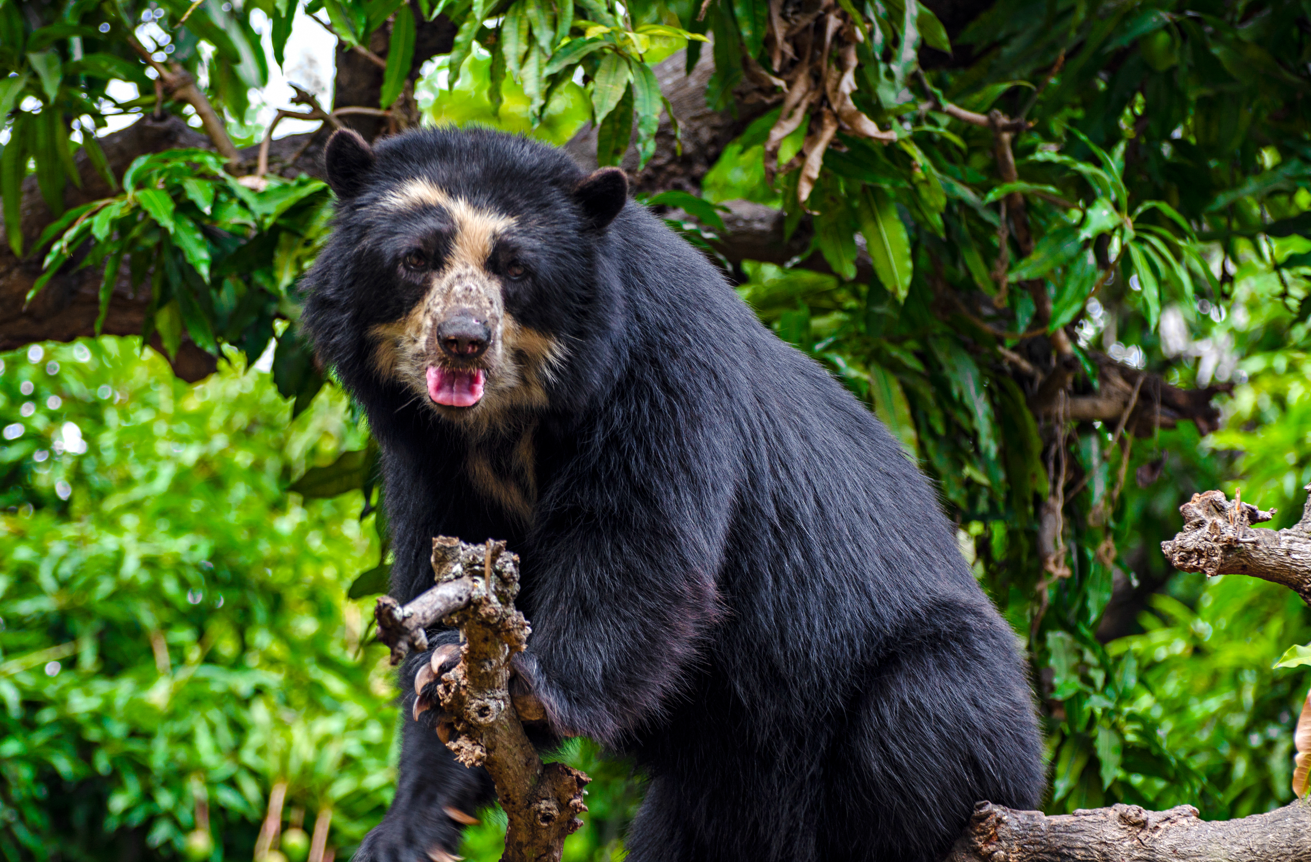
(454, 387)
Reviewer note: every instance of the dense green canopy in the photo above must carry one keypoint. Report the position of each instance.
(1059, 248)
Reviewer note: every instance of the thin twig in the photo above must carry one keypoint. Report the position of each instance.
(179, 84)
(358, 49)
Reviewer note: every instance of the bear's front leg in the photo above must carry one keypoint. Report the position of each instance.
(435, 795)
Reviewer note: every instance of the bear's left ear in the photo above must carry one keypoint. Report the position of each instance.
(348, 158)
(602, 195)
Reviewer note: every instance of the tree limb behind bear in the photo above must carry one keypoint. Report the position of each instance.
(475, 591)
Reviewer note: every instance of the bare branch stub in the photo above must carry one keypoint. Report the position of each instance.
(475, 591)
(1128, 833)
(1218, 539)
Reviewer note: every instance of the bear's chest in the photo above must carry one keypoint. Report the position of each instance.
(504, 473)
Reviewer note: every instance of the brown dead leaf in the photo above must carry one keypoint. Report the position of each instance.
(796, 104)
(814, 148)
(840, 98)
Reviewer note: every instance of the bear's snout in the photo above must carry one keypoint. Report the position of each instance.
(463, 336)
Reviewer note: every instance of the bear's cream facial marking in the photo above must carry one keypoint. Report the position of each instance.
(457, 347)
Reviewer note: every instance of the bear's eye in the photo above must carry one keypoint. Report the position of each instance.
(415, 261)
(515, 270)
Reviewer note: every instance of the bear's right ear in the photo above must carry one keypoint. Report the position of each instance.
(602, 195)
(348, 158)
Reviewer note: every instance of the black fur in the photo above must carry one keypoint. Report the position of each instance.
(733, 572)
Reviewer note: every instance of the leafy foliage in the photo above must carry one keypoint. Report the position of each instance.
(1057, 191)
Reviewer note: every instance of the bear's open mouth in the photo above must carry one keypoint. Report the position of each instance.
(455, 387)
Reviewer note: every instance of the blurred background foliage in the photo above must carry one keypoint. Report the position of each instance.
(1089, 211)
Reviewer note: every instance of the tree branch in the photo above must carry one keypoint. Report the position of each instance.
(1218, 539)
(1127, 833)
(475, 591)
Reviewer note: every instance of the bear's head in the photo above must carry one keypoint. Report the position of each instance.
(461, 269)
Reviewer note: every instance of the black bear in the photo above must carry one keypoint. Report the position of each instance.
(732, 571)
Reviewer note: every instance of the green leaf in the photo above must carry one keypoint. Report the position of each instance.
(891, 406)
(615, 132)
(191, 242)
(349, 472)
(966, 384)
(109, 67)
(49, 171)
(200, 193)
(1071, 758)
(752, 21)
(1072, 291)
(460, 50)
(168, 323)
(514, 41)
(699, 208)
(931, 29)
(346, 25)
(600, 13)
(1099, 218)
(282, 22)
(835, 234)
(49, 69)
(294, 370)
(400, 54)
(610, 85)
(96, 156)
(647, 103)
(571, 53)
(107, 281)
(1110, 747)
(1005, 189)
(1295, 656)
(159, 205)
(542, 17)
(13, 167)
(370, 583)
(886, 240)
(10, 89)
(564, 20)
(61, 224)
(1054, 250)
(1146, 283)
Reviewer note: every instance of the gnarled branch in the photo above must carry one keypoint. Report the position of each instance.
(475, 591)
(1218, 539)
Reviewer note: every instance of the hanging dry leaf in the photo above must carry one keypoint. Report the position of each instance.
(1302, 742)
(820, 43)
(814, 149)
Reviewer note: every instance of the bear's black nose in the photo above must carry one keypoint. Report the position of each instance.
(463, 335)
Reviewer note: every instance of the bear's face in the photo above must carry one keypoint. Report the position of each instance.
(464, 282)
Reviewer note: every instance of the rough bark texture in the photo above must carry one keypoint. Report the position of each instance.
(1127, 833)
(475, 591)
(1218, 539)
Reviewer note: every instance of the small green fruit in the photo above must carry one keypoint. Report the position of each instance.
(275, 856)
(1158, 50)
(295, 845)
(199, 845)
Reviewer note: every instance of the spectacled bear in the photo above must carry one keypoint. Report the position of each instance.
(732, 571)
